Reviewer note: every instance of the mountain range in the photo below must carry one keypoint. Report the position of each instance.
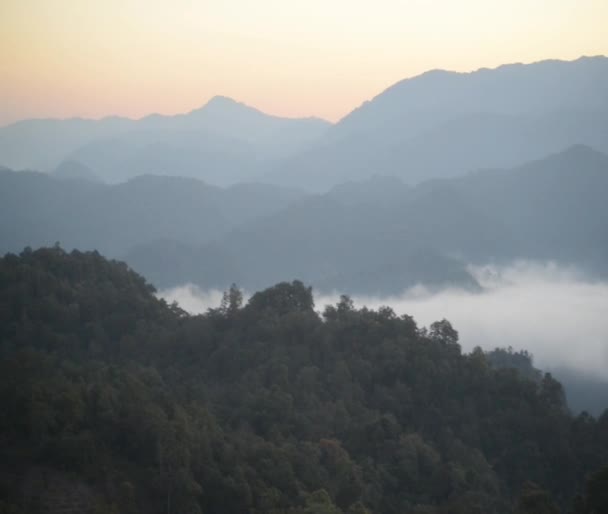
(438, 124)
(438, 171)
(381, 236)
(223, 142)
(374, 236)
(40, 209)
(442, 124)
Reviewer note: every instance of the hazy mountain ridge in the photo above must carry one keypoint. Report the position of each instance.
(438, 124)
(223, 141)
(442, 124)
(381, 236)
(37, 209)
(43, 144)
(378, 236)
(359, 233)
(511, 89)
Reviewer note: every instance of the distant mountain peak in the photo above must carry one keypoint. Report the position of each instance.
(221, 105)
(225, 105)
(222, 101)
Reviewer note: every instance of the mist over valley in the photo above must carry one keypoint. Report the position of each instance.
(555, 313)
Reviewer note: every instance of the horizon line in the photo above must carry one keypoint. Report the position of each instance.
(311, 117)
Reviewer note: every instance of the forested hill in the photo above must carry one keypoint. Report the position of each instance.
(121, 403)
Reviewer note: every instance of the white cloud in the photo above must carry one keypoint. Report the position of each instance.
(192, 299)
(551, 311)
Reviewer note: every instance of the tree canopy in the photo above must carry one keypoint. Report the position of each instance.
(270, 407)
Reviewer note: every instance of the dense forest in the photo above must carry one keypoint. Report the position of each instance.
(130, 405)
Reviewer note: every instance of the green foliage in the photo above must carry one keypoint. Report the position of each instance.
(269, 407)
(520, 360)
(595, 500)
(319, 502)
(283, 298)
(597, 491)
(232, 301)
(534, 500)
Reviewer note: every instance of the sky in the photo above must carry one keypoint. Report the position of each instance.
(91, 58)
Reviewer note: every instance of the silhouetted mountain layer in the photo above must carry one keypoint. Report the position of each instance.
(37, 209)
(438, 124)
(223, 142)
(381, 236)
(377, 236)
(442, 124)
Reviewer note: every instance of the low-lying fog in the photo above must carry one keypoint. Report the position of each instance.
(551, 311)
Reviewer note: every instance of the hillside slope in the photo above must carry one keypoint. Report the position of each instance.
(267, 407)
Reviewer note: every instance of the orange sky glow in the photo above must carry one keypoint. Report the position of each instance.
(65, 58)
